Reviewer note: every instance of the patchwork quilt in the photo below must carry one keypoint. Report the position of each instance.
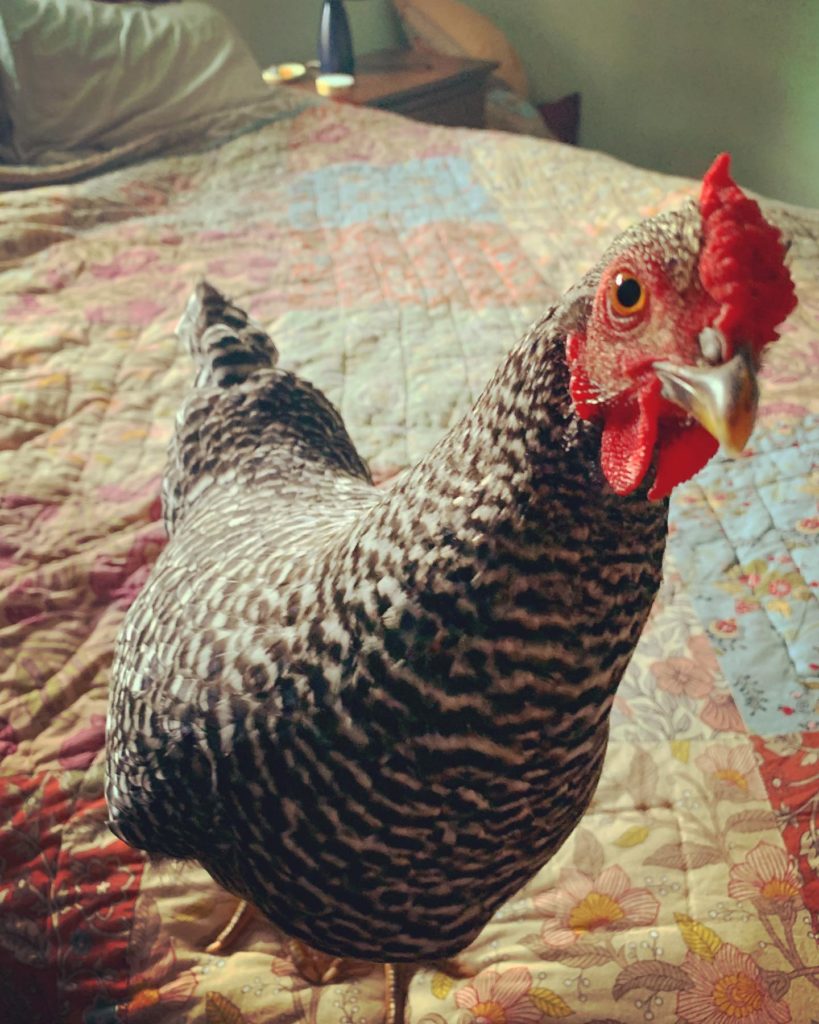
(393, 263)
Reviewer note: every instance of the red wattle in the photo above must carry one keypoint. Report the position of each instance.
(629, 434)
(681, 453)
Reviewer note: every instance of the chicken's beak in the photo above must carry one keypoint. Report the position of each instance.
(722, 398)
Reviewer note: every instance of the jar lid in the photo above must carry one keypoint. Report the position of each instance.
(329, 85)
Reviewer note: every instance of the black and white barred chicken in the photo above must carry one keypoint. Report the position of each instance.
(375, 713)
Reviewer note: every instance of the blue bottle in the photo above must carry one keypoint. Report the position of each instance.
(335, 48)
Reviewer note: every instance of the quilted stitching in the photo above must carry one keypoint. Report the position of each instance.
(745, 544)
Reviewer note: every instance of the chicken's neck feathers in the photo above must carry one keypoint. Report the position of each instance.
(521, 455)
(511, 548)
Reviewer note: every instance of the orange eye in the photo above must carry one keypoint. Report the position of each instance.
(626, 295)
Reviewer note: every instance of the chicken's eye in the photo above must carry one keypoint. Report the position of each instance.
(627, 296)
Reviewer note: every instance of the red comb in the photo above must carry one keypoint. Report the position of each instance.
(742, 263)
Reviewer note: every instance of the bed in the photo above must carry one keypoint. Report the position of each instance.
(394, 263)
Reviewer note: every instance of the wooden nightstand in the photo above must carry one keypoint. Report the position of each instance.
(427, 87)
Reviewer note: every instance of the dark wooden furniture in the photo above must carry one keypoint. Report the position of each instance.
(426, 87)
(563, 117)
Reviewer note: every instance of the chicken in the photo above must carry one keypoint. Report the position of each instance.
(375, 713)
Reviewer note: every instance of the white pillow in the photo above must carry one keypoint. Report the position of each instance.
(78, 77)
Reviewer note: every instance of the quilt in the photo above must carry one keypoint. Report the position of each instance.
(394, 263)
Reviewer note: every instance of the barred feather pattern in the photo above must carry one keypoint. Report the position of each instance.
(375, 714)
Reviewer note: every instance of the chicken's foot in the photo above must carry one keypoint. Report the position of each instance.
(315, 967)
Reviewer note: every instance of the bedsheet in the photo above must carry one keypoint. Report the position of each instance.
(394, 263)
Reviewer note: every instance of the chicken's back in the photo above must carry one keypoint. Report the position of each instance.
(261, 477)
(248, 425)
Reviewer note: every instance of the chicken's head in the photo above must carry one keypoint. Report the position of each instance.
(668, 352)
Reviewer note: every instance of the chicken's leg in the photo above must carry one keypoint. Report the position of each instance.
(315, 967)
(319, 968)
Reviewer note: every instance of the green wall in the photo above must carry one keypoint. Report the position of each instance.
(284, 30)
(669, 83)
(666, 84)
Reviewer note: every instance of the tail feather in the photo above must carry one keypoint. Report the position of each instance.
(227, 346)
